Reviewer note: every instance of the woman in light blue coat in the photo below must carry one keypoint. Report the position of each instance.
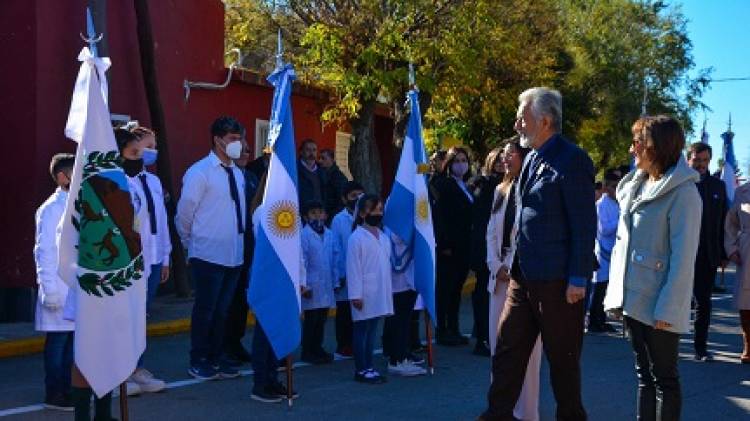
(651, 272)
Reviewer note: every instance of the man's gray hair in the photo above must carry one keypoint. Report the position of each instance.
(544, 102)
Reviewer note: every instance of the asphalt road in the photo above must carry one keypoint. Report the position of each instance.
(711, 391)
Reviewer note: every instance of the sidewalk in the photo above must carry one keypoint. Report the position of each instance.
(170, 315)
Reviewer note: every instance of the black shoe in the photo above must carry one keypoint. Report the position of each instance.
(239, 353)
(482, 349)
(59, 403)
(281, 391)
(462, 340)
(609, 328)
(265, 394)
(704, 356)
(595, 328)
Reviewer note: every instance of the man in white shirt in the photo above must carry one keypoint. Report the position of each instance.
(607, 213)
(58, 344)
(211, 224)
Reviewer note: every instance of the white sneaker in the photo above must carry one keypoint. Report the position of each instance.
(146, 381)
(406, 369)
(132, 389)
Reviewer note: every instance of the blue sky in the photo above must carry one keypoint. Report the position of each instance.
(718, 30)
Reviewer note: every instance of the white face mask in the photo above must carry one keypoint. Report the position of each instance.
(234, 149)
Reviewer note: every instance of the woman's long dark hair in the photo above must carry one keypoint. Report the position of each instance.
(505, 185)
(366, 202)
(451, 156)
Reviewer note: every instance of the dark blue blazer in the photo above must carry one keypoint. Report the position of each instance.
(557, 226)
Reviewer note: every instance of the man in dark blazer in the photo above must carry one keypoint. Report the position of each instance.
(311, 178)
(711, 246)
(555, 231)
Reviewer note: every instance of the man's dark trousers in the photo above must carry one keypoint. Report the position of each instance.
(530, 309)
(705, 273)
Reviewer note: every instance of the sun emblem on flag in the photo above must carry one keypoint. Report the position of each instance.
(423, 209)
(283, 218)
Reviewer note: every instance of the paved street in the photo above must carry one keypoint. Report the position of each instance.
(712, 391)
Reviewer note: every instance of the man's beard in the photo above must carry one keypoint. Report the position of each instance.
(525, 141)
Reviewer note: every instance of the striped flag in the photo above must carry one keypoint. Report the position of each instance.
(100, 256)
(729, 169)
(407, 211)
(276, 273)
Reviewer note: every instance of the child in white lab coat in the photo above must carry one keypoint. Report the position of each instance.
(320, 253)
(368, 276)
(58, 343)
(341, 226)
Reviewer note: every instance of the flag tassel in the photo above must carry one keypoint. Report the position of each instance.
(124, 414)
(428, 334)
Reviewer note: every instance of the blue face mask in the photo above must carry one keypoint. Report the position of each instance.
(149, 156)
(318, 225)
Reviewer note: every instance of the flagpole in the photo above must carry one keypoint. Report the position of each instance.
(124, 401)
(289, 381)
(428, 334)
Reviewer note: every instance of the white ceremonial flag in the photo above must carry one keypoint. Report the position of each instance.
(100, 254)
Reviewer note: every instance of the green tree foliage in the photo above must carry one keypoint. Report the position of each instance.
(473, 58)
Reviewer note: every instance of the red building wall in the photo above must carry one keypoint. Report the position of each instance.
(39, 40)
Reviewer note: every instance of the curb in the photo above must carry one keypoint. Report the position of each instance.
(35, 344)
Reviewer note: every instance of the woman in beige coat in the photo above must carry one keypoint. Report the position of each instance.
(737, 245)
(500, 253)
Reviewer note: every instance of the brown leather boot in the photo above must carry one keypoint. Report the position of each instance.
(745, 322)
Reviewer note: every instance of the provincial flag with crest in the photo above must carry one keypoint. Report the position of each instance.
(100, 256)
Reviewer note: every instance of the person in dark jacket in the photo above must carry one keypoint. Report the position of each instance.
(454, 206)
(311, 179)
(711, 246)
(554, 231)
(335, 182)
(483, 189)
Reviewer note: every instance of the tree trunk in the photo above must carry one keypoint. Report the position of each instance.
(364, 159)
(156, 112)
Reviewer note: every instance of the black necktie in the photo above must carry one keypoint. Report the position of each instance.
(149, 203)
(235, 197)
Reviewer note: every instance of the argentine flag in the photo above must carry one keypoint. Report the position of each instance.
(407, 211)
(274, 281)
(730, 165)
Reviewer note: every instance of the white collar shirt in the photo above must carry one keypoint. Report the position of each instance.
(206, 217)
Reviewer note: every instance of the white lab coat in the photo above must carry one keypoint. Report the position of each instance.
(341, 226)
(368, 274)
(320, 253)
(51, 286)
(527, 406)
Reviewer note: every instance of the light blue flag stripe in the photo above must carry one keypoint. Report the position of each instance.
(273, 299)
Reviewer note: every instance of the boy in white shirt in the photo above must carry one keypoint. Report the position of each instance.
(320, 253)
(58, 344)
(211, 222)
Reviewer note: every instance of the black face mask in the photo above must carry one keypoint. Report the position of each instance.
(132, 167)
(374, 220)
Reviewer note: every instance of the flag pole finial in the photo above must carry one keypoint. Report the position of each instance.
(730, 121)
(412, 76)
(92, 38)
(279, 51)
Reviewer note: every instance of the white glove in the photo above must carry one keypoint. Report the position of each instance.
(52, 301)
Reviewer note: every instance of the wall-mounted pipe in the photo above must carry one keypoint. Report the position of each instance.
(216, 86)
